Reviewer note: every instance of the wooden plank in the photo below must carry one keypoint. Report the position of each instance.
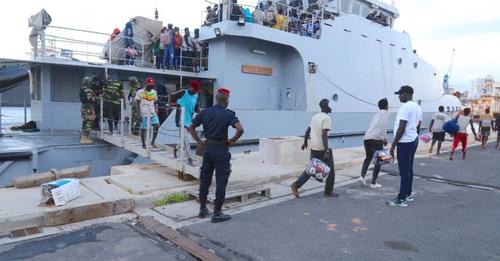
(69, 215)
(178, 239)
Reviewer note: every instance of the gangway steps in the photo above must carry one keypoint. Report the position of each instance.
(162, 154)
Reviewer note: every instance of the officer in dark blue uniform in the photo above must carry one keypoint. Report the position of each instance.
(216, 121)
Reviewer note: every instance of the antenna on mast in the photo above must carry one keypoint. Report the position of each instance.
(446, 80)
(156, 9)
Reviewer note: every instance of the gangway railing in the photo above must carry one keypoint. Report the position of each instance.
(123, 136)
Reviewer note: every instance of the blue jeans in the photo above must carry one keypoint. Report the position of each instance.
(406, 154)
(168, 56)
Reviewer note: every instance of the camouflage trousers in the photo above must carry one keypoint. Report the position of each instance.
(136, 120)
(88, 117)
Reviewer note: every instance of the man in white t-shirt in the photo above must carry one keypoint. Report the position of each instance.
(318, 132)
(406, 129)
(148, 108)
(436, 127)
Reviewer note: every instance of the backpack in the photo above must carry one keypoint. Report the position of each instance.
(451, 127)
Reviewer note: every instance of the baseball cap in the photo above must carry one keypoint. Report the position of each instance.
(405, 89)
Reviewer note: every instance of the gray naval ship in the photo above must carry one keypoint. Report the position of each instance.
(344, 50)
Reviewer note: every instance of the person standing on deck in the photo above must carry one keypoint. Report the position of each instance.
(318, 132)
(88, 99)
(216, 121)
(485, 124)
(407, 127)
(375, 139)
(112, 93)
(436, 127)
(136, 119)
(463, 119)
(188, 100)
(147, 101)
(97, 85)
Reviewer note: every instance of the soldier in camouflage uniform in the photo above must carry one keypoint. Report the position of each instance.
(88, 99)
(112, 93)
(136, 119)
(97, 85)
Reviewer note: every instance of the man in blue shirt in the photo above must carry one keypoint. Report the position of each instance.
(216, 121)
(188, 100)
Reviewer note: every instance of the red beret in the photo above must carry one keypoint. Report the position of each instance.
(150, 81)
(223, 91)
(194, 84)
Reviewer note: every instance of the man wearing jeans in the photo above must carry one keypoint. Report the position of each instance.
(407, 126)
(318, 132)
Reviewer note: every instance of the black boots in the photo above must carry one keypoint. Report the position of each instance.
(220, 217)
(204, 212)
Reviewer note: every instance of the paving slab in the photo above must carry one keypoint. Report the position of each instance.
(180, 211)
(19, 207)
(105, 189)
(148, 181)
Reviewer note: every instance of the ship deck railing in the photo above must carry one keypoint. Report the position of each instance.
(60, 43)
(310, 27)
(127, 136)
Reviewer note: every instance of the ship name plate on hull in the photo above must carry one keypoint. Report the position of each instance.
(255, 69)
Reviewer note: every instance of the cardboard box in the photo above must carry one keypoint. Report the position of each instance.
(61, 191)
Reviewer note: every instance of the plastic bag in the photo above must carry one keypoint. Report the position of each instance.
(426, 137)
(382, 157)
(318, 169)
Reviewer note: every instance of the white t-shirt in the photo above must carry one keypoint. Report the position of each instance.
(412, 113)
(439, 120)
(486, 120)
(147, 101)
(319, 122)
(462, 123)
(378, 126)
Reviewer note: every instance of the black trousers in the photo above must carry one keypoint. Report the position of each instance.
(330, 180)
(112, 112)
(370, 147)
(215, 157)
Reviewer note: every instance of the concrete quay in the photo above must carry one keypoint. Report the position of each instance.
(133, 187)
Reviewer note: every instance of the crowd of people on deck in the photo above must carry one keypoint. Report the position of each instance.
(289, 18)
(379, 17)
(173, 50)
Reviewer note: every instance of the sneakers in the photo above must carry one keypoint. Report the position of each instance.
(362, 180)
(295, 191)
(375, 186)
(397, 203)
(204, 212)
(220, 217)
(411, 197)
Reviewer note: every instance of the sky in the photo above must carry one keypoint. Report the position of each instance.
(436, 27)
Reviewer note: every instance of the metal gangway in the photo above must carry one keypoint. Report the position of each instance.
(123, 137)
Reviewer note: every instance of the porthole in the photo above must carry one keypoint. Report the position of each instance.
(415, 65)
(400, 61)
(335, 97)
